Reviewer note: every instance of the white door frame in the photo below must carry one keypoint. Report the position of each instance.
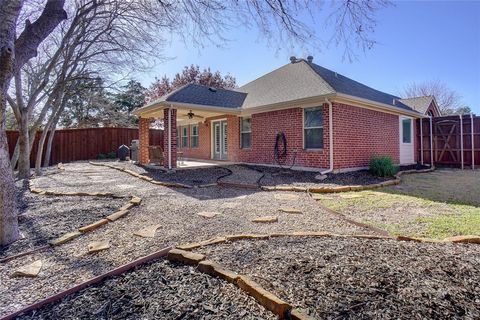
(405, 146)
(212, 136)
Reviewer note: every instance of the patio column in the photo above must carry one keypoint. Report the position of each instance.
(144, 134)
(170, 138)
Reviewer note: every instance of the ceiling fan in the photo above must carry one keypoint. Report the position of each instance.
(192, 115)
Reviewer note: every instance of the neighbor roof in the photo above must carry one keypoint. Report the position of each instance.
(203, 95)
(420, 104)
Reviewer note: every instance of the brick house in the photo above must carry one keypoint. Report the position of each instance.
(300, 115)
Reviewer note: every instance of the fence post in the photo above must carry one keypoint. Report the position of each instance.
(431, 142)
(473, 142)
(461, 139)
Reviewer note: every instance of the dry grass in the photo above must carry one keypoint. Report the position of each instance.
(437, 205)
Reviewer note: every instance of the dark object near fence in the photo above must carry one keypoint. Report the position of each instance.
(85, 144)
(123, 152)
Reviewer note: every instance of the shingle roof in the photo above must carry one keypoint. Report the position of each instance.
(203, 95)
(345, 85)
(420, 104)
(291, 82)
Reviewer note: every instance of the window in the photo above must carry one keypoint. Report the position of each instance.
(313, 128)
(407, 130)
(184, 137)
(245, 133)
(194, 136)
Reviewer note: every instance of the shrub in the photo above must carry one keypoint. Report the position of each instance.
(111, 155)
(382, 166)
(102, 156)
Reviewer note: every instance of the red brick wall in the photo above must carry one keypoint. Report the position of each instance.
(173, 122)
(144, 133)
(358, 135)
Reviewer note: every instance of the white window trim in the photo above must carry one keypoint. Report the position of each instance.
(182, 136)
(303, 129)
(193, 135)
(401, 130)
(241, 132)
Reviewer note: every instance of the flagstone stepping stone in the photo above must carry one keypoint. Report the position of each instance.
(136, 200)
(240, 197)
(291, 210)
(96, 246)
(117, 215)
(266, 219)
(147, 232)
(286, 196)
(30, 270)
(208, 214)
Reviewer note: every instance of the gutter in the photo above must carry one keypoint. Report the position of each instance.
(330, 135)
(169, 138)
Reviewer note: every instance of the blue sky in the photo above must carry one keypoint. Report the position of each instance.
(417, 41)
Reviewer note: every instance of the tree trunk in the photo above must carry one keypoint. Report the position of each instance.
(24, 148)
(8, 197)
(48, 152)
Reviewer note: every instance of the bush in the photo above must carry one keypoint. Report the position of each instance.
(383, 166)
(111, 155)
(102, 156)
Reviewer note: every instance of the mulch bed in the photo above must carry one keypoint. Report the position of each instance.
(159, 290)
(277, 176)
(43, 218)
(361, 279)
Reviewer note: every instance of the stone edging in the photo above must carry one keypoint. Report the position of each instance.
(123, 211)
(268, 300)
(325, 189)
(138, 175)
(321, 234)
(115, 272)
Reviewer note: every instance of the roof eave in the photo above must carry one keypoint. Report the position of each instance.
(304, 102)
(156, 107)
(377, 105)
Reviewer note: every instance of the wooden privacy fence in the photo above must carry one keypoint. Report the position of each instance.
(84, 144)
(455, 140)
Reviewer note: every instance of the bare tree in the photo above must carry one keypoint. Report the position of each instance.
(448, 100)
(14, 53)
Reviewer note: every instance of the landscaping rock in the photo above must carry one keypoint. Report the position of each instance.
(266, 219)
(321, 177)
(30, 270)
(291, 210)
(117, 215)
(65, 238)
(96, 246)
(216, 270)
(148, 232)
(464, 239)
(267, 299)
(208, 214)
(93, 226)
(185, 257)
(136, 201)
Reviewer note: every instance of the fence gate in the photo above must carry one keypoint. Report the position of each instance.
(455, 139)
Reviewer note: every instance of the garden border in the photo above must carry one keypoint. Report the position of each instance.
(145, 178)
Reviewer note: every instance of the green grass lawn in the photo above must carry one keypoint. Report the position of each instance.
(437, 205)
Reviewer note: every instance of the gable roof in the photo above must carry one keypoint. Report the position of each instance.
(291, 82)
(294, 82)
(342, 84)
(207, 96)
(421, 104)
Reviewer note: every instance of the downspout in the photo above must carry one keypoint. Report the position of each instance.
(473, 142)
(170, 138)
(461, 139)
(330, 135)
(421, 141)
(431, 143)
